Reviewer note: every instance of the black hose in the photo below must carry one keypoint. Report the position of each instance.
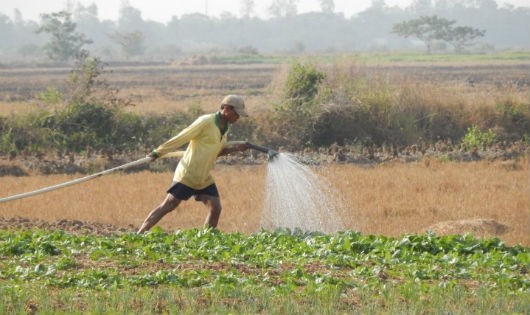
(258, 147)
(263, 149)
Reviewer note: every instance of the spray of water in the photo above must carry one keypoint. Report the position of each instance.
(297, 199)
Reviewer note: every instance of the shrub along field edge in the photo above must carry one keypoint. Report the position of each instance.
(311, 105)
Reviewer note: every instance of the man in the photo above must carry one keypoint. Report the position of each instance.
(207, 140)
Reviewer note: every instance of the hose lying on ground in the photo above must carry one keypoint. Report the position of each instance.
(76, 181)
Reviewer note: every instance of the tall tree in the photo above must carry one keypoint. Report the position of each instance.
(462, 36)
(130, 17)
(283, 8)
(327, 6)
(378, 5)
(422, 7)
(425, 28)
(431, 28)
(18, 19)
(6, 30)
(65, 42)
(247, 8)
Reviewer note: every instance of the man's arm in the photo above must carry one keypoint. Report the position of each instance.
(179, 140)
(236, 146)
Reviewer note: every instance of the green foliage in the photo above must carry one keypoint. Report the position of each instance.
(267, 271)
(24, 134)
(82, 125)
(7, 143)
(83, 78)
(515, 117)
(425, 28)
(433, 28)
(92, 119)
(86, 85)
(363, 110)
(65, 43)
(315, 109)
(298, 104)
(462, 36)
(79, 127)
(51, 96)
(475, 138)
(358, 107)
(303, 82)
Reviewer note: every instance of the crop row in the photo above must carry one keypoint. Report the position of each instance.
(282, 259)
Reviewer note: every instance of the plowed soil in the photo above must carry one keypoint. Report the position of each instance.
(69, 226)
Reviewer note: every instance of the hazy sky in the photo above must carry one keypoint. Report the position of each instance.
(163, 10)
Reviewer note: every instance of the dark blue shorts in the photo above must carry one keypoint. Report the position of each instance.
(183, 192)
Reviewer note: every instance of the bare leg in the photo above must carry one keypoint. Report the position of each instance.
(168, 205)
(214, 207)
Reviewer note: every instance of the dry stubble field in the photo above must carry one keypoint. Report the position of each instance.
(484, 198)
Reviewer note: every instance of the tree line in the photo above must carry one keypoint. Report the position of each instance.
(478, 26)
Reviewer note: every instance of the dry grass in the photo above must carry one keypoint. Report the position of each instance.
(162, 89)
(389, 199)
(408, 198)
(153, 89)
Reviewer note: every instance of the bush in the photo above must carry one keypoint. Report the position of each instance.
(352, 104)
(340, 124)
(24, 134)
(86, 127)
(297, 106)
(514, 118)
(51, 96)
(475, 138)
(82, 125)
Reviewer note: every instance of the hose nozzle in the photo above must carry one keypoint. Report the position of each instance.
(270, 152)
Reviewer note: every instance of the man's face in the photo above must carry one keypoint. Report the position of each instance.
(229, 113)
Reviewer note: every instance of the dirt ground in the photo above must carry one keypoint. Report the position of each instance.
(69, 226)
(483, 228)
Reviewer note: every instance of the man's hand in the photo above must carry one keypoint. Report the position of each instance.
(153, 155)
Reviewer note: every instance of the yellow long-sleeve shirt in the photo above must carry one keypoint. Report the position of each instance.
(205, 143)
